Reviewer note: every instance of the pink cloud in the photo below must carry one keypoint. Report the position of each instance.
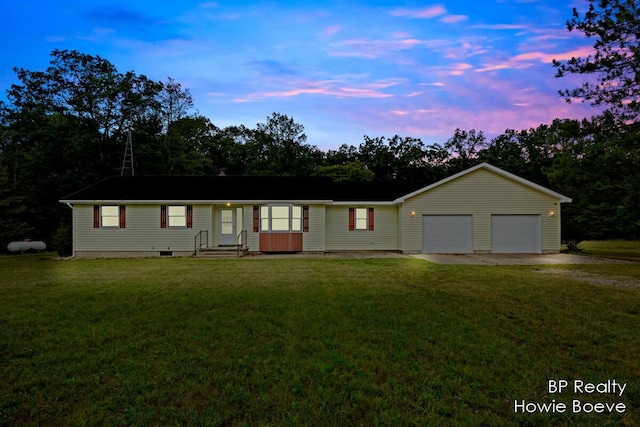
(432, 119)
(526, 60)
(459, 69)
(426, 13)
(333, 29)
(367, 48)
(580, 52)
(500, 27)
(453, 19)
(332, 88)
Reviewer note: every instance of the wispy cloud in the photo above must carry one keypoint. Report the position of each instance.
(370, 48)
(331, 30)
(499, 27)
(424, 13)
(454, 19)
(526, 60)
(330, 88)
(459, 69)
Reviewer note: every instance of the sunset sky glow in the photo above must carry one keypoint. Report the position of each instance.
(343, 69)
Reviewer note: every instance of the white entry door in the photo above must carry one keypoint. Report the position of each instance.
(227, 227)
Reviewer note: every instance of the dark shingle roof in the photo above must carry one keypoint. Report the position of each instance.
(245, 188)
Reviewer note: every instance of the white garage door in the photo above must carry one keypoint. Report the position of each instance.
(447, 234)
(514, 234)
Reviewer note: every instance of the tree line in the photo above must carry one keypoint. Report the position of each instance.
(65, 128)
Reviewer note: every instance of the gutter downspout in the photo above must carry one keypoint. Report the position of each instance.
(73, 240)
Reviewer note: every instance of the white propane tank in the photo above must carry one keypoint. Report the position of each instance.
(26, 245)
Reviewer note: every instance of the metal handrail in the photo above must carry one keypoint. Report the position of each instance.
(195, 240)
(241, 241)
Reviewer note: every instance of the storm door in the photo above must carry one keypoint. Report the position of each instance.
(227, 227)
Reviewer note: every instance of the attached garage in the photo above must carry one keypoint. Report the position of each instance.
(448, 234)
(514, 234)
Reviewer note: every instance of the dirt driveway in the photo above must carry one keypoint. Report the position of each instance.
(511, 259)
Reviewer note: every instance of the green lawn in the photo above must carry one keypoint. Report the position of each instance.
(319, 342)
(620, 249)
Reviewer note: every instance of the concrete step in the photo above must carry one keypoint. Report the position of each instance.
(221, 252)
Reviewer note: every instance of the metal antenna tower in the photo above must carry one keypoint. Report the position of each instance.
(127, 161)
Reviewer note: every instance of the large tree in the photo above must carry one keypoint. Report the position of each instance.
(65, 127)
(279, 147)
(615, 63)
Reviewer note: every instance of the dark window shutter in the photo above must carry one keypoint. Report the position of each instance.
(305, 219)
(163, 216)
(96, 216)
(370, 219)
(352, 219)
(256, 219)
(122, 216)
(189, 216)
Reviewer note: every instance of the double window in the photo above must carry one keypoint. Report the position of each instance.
(361, 219)
(176, 216)
(281, 218)
(109, 216)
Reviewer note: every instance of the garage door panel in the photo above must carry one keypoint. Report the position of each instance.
(447, 234)
(516, 234)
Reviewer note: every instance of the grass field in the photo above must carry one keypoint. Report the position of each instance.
(319, 342)
(620, 249)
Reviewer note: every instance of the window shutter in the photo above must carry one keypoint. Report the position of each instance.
(256, 219)
(96, 216)
(122, 216)
(370, 219)
(352, 219)
(163, 216)
(189, 216)
(305, 219)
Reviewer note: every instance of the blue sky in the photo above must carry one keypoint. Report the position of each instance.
(343, 69)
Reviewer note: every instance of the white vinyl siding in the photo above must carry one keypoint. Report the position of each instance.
(384, 236)
(143, 232)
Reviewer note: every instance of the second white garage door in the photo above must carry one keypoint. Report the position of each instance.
(515, 234)
(447, 234)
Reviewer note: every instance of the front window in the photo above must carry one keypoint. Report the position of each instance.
(361, 219)
(177, 216)
(280, 218)
(296, 218)
(109, 216)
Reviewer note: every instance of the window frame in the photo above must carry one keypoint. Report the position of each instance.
(296, 218)
(102, 218)
(361, 219)
(167, 218)
(176, 220)
(109, 219)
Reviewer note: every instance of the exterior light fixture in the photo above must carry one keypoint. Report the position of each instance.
(413, 213)
(552, 213)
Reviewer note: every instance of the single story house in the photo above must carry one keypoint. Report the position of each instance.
(483, 209)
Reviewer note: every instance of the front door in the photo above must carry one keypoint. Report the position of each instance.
(227, 227)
